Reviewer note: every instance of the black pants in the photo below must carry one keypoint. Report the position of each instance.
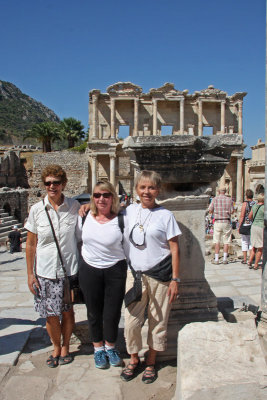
(103, 291)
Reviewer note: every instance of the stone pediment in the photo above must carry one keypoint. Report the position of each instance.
(166, 89)
(212, 92)
(124, 89)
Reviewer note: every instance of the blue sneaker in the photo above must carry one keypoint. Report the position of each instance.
(114, 358)
(101, 360)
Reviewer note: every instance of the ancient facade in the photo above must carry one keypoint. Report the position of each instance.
(209, 111)
(255, 168)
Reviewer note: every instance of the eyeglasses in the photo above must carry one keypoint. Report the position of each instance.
(137, 236)
(105, 195)
(49, 183)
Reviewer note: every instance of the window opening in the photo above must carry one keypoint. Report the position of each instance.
(207, 130)
(124, 131)
(166, 130)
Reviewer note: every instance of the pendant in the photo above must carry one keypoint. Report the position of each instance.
(141, 228)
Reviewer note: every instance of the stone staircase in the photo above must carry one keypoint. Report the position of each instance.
(7, 222)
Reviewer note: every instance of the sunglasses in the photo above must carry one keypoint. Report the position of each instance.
(49, 183)
(105, 195)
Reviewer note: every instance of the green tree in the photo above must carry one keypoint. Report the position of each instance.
(46, 133)
(72, 130)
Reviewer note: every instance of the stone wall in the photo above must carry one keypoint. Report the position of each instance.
(74, 163)
(15, 202)
(12, 170)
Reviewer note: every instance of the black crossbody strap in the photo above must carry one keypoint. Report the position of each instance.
(256, 213)
(56, 241)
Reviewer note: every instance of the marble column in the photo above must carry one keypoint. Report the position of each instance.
(94, 116)
(222, 180)
(240, 117)
(112, 176)
(223, 116)
(136, 106)
(112, 118)
(200, 123)
(181, 116)
(239, 180)
(155, 117)
(93, 169)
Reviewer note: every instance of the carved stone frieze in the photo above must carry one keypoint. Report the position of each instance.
(124, 89)
(166, 90)
(211, 92)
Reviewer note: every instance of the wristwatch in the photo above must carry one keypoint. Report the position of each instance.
(176, 279)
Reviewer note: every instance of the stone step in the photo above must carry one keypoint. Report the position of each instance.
(4, 236)
(9, 229)
(3, 215)
(4, 228)
(8, 218)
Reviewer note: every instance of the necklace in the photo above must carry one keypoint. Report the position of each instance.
(139, 217)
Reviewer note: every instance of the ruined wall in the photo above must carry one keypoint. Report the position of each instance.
(12, 170)
(74, 163)
(15, 202)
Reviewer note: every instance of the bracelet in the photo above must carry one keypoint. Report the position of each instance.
(176, 280)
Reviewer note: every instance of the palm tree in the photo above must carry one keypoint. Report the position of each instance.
(46, 133)
(72, 130)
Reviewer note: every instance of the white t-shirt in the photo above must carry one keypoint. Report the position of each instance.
(64, 221)
(102, 243)
(159, 227)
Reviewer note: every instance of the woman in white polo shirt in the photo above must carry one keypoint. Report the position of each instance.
(47, 281)
(153, 245)
(102, 272)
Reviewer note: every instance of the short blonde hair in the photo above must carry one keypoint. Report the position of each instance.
(152, 176)
(260, 198)
(105, 185)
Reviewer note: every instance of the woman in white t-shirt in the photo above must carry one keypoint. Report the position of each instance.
(102, 272)
(153, 242)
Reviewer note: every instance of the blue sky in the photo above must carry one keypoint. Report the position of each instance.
(56, 51)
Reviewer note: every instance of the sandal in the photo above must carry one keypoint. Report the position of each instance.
(129, 373)
(65, 359)
(244, 262)
(250, 265)
(150, 375)
(52, 362)
(258, 267)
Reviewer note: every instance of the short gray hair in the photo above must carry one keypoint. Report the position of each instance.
(152, 176)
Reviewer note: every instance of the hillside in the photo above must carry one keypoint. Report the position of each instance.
(18, 112)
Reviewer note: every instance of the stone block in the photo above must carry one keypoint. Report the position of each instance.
(220, 360)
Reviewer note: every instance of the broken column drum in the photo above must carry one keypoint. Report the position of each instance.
(187, 165)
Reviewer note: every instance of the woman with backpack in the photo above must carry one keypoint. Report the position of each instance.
(102, 272)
